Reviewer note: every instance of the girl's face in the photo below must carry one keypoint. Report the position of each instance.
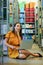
(17, 27)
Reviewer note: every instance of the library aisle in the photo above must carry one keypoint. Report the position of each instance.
(29, 13)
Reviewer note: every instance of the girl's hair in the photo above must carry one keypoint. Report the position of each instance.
(20, 29)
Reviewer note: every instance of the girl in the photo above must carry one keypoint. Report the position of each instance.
(13, 40)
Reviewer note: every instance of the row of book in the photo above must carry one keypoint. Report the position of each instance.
(31, 31)
(25, 37)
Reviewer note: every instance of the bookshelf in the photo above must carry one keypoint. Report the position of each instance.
(27, 20)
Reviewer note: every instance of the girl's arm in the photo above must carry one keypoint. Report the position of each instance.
(19, 37)
(10, 46)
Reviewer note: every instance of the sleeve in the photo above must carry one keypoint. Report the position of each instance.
(7, 35)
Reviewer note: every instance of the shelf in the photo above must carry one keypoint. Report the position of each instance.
(21, 12)
(4, 7)
(28, 33)
(36, 27)
(26, 17)
(28, 23)
(28, 28)
(26, 12)
(21, 18)
(29, 17)
(0, 18)
(2, 34)
(10, 14)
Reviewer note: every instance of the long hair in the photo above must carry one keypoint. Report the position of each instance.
(20, 29)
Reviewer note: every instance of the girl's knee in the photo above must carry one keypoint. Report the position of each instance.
(22, 56)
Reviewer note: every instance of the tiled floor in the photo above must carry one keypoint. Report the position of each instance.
(29, 61)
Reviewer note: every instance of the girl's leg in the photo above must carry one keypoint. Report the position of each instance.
(23, 54)
(27, 53)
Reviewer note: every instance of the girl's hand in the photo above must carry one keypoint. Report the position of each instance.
(12, 47)
(17, 33)
(16, 47)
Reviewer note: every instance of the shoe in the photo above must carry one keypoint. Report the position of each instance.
(40, 55)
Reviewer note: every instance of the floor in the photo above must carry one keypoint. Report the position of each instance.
(29, 61)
